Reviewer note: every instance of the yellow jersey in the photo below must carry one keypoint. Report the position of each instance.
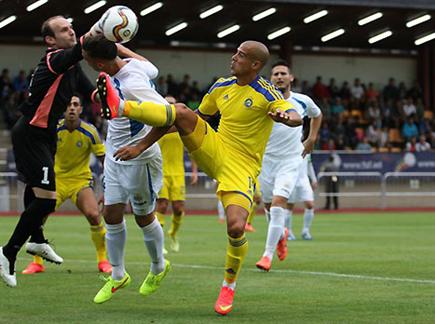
(74, 149)
(245, 125)
(172, 154)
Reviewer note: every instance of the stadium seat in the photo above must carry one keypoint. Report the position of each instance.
(394, 136)
(428, 114)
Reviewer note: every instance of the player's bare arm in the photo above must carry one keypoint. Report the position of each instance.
(290, 118)
(312, 136)
(132, 151)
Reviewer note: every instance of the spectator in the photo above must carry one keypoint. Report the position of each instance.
(422, 145)
(162, 86)
(411, 145)
(372, 94)
(409, 109)
(364, 146)
(391, 92)
(357, 92)
(320, 91)
(337, 107)
(409, 129)
(20, 82)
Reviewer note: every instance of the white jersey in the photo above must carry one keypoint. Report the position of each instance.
(133, 82)
(285, 142)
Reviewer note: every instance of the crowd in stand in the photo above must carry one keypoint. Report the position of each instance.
(357, 116)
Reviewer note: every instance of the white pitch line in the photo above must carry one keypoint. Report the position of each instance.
(311, 273)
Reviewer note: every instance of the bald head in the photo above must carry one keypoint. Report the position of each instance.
(256, 51)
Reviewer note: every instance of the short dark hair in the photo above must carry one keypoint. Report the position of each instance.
(78, 95)
(283, 63)
(100, 47)
(46, 28)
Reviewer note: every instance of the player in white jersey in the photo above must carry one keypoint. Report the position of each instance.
(130, 173)
(303, 192)
(282, 162)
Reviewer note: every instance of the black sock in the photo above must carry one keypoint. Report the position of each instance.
(38, 235)
(30, 222)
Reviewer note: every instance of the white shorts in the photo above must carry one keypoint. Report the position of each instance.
(279, 178)
(302, 191)
(138, 183)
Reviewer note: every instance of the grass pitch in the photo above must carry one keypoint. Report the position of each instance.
(360, 268)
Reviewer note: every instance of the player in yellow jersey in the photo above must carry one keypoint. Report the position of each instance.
(174, 187)
(249, 105)
(76, 141)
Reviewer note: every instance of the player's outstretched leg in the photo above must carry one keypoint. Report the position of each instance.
(110, 100)
(150, 113)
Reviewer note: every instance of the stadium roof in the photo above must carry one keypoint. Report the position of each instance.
(203, 32)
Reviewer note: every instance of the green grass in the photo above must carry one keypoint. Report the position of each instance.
(306, 288)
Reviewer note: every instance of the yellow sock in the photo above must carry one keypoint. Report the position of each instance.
(98, 233)
(237, 249)
(175, 225)
(38, 260)
(160, 218)
(150, 113)
(252, 213)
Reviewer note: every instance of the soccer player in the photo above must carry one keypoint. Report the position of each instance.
(137, 180)
(57, 76)
(76, 141)
(282, 163)
(248, 105)
(303, 192)
(174, 187)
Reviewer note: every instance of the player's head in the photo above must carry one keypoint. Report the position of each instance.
(281, 75)
(170, 99)
(99, 52)
(251, 56)
(74, 108)
(58, 32)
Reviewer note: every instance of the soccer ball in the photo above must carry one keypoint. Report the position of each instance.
(119, 24)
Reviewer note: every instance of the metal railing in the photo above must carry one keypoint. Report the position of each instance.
(369, 189)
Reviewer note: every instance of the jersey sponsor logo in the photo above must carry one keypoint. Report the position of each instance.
(79, 144)
(248, 103)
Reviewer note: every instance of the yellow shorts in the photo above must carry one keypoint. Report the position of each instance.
(234, 171)
(69, 189)
(174, 188)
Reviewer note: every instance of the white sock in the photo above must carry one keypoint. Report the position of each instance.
(267, 214)
(308, 219)
(275, 230)
(229, 285)
(288, 219)
(115, 240)
(154, 242)
(221, 210)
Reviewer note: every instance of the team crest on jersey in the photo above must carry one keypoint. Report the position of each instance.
(226, 97)
(248, 103)
(79, 144)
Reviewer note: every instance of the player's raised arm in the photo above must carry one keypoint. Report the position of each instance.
(283, 112)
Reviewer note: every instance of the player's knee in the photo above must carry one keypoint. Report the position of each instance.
(42, 206)
(178, 207)
(162, 205)
(309, 204)
(236, 229)
(93, 217)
